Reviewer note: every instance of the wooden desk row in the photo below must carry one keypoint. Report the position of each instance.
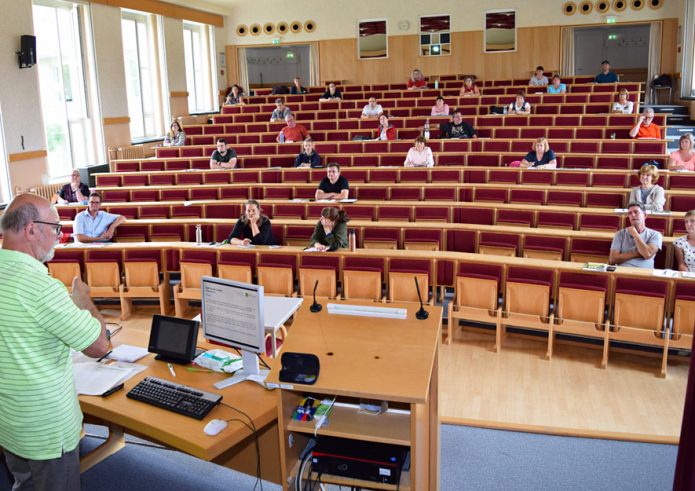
(435, 175)
(677, 199)
(342, 120)
(504, 240)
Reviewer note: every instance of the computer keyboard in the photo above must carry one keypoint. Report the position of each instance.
(175, 397)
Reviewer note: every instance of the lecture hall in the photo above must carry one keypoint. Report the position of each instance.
(346, 245)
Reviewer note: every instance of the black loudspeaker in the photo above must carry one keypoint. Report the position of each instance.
(27, 53)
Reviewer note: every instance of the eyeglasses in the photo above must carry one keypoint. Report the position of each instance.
(57, 226)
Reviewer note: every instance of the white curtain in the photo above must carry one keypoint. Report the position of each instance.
(654, 63)
(243, 70)
(567, 54)
(314, 75)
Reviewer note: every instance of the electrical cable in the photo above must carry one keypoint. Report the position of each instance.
(252, 427)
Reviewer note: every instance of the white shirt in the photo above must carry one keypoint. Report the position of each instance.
(625, 108)
(369, 112)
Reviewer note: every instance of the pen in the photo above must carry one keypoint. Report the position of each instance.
(171, 369)
(107, 354)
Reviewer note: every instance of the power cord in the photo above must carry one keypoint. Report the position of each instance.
(254, 431)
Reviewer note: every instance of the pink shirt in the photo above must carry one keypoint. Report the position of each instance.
(689, 164)
(444, 111)
(419, 159)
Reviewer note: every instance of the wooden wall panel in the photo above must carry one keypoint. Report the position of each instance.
(669, 42)
(538, 45)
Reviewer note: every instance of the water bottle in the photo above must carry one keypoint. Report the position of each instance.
(427, 129)
(198, 234)
(504, 111)
(612, 136)
(436, 84)
(352, 241)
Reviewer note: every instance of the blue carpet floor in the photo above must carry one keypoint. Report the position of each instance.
(471, 459)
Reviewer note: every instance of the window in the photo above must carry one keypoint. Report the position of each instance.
(500, 31)
(199, 52)
(372, 39)
(4, 171)
(144, 109)
(70, 113)
(435, 35)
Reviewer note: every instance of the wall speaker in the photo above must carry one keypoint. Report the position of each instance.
(602, 6)
(619, 5)
(282, 27)
(637, 4)
(242, 30)
(295, 26)
(310, 26)
(569, 8)
(255, 29)
(655, 4)
(27, 51)
(269, 28)
(586, 7)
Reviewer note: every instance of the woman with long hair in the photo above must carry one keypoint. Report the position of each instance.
(253, 227)
(331, 230)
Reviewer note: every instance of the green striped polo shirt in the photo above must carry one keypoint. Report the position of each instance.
(40, 415)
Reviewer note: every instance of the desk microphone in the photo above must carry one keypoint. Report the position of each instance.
(316, 307)
(421, 314)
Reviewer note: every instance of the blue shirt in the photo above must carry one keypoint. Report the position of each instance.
(93, 227)
(608, 78)
(552, 90)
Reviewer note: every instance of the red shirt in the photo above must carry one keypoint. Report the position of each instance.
(651, 131)
(296, 134)
(418, 84)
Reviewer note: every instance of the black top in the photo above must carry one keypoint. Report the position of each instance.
(326, 186)
(217, 156)
(314, 159)
(335, 95)
(242, 230)
(451, 130)
(533, 159)
(70, 196)
(295, 90)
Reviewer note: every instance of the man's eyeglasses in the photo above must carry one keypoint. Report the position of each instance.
(57, 226)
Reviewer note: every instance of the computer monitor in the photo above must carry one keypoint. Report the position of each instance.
(233, 315)
(173, 339)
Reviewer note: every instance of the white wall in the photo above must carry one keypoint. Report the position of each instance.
(19, 88)
(173, 42)
(108, 45)
(338, 20)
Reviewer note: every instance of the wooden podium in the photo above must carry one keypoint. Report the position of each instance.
(367, 358)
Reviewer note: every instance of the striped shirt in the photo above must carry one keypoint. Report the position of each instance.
(40, 415)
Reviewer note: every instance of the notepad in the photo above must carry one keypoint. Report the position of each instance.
(127, 353)
(93, 378)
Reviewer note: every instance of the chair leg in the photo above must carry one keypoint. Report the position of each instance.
(179, 304)
(126, 308)
(450, 324)
(606, 344)
(551, 342)
(163, 299)
(664, 356)
(499, 332)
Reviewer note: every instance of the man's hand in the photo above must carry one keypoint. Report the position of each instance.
(107, 235)
(633, 232)
(641, 119)
(80, 293)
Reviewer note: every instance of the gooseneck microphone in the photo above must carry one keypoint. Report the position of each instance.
(316, 307)
(421, 314)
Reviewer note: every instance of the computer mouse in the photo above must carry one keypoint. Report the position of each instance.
(214, 427)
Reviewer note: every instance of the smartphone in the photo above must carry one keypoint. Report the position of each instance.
(113, 389)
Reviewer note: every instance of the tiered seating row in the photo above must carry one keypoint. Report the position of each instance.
(517, 214)
(504, 92)
(508, 175)
(677, 200)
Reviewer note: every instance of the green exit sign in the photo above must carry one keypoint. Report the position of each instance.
(276, 41)
(612, 37)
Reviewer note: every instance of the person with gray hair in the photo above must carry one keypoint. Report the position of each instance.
(635, 245)
(40, 417)
(645, 126)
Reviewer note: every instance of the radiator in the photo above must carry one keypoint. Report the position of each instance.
(48, 191)
(134, 152)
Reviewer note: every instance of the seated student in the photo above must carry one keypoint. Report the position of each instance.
(332, 94)
(440, 107)
(606, 76)
(469, 88)
(297, 87)
(538, 79)
(684, 157)
(540, 156)
(372, 110)
(519, 106)
(645, 126)
(635, 245)
(94, 224)
(386, 130)
(176, 137)
(457, 127)
(293, 132)
(73, 192)
(623, 105)
(684, 247)
(253, 227)
(330, 232)
(557, 87)
(416, 80)
(235, 96)
(224, 157)
(333, 186)
(648, 193)
(308, 157)
(419, 155)
(281, 111)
